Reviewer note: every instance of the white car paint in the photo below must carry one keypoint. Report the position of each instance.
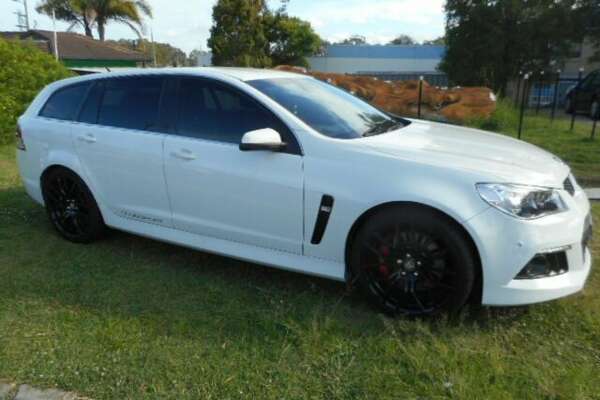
(262, 206)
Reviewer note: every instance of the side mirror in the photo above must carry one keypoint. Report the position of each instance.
(262, 139)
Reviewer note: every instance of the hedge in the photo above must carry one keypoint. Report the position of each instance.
(24, 71)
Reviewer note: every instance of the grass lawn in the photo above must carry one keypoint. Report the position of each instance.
(131, 318)
(576, 147)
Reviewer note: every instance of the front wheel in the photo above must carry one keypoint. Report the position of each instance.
(71, 207)
(413, 261)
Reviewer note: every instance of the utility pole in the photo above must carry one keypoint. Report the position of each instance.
(54, 34)
(22, 16)
(153, 47)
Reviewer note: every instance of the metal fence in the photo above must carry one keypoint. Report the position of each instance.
(539, 92)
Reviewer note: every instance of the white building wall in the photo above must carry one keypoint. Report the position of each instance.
(353, 65)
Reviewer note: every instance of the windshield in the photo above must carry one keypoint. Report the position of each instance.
(327, 109)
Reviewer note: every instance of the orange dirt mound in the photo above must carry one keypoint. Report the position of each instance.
(401, 97)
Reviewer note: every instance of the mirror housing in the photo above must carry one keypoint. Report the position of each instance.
(262, 139)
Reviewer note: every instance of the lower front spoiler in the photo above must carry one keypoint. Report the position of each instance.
(529, 291)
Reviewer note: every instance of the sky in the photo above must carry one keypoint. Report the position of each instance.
(186, 23)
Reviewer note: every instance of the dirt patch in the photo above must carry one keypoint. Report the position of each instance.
(401, 97)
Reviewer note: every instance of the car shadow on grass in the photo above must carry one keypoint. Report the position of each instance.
(173, 290)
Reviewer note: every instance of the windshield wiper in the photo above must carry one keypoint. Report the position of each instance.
(383, 127)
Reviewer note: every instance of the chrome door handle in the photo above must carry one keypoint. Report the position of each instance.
(184, 155)
(88, 137)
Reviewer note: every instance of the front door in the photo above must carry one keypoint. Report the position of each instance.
(254, 197)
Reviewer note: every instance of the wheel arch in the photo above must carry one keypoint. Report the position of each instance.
(54, 166)
(361, 220)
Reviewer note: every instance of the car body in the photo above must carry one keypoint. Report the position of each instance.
(585, 96)
(298, 207)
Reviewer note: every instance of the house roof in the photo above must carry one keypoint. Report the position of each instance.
(73, 46)
(385, 51)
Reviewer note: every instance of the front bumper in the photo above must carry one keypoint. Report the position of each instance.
(507, 244)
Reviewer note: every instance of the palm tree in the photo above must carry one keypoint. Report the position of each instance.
(128, 12)
(97, 13)
(76, 12)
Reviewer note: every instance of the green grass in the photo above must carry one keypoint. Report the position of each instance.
(131, 318)
(576, 147)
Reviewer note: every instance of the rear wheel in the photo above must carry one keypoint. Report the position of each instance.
(412, 261)
(71, 207)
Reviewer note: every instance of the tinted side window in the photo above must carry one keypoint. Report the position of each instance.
(131, 103)
(211, 111)
(65, 103)
(89, 111)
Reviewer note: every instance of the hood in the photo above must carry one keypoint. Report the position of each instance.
(492, 156)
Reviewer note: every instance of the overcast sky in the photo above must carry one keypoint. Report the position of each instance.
(186, 23)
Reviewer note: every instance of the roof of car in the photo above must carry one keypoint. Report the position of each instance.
(243, 74)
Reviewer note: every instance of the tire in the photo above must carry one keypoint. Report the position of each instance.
(595, 110)
(412, 261)
(71, 207)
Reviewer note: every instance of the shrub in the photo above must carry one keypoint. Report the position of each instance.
(505, 118)
(24, 71)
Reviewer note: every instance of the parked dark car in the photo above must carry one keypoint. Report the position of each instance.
(585, 97)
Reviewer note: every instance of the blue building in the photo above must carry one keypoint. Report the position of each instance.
(389, 62)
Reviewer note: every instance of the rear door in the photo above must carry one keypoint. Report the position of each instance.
(119, 139)
(216, 190)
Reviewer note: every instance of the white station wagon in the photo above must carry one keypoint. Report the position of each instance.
(287, 171)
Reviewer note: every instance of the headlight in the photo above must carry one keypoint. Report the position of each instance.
(526, 202)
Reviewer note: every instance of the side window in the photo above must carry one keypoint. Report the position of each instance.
(64, 103)
(131, 103)
(588, 82)
(597, 81)
(89, 111)
(211, 111)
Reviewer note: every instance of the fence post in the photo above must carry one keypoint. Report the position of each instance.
(522, 112)
(595, 117)
(518, 87)
(420, 96)
(555, 98)
(539, 99)
(574, 99)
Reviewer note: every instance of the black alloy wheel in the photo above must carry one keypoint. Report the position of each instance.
(71, 207)
(414, 262)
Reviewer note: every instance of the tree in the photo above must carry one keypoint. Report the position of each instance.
(590, 16)
(404, 40)
(75, 12)
(247, 33)
(237, 36)
(166, 55)
(354, 40)
(489, 41)
(290, 39)
(98, 13)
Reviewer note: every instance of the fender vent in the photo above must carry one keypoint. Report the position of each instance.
(325, 210)
(568, 185)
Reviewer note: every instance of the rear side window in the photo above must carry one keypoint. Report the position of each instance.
(64, 103)
(131, 103)
(89, 111)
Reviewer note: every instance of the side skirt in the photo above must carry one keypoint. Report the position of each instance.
(259, 255)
